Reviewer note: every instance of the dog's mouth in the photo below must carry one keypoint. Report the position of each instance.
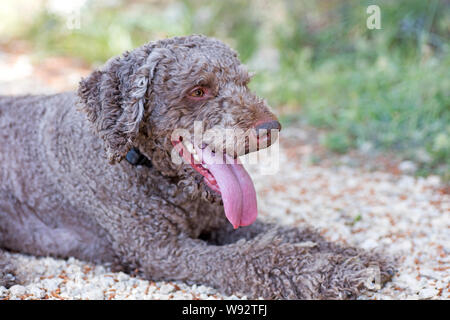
(226, 176)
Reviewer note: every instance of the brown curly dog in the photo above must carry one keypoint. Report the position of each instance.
(62, 195)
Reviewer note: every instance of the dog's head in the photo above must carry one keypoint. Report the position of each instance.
(151, 98)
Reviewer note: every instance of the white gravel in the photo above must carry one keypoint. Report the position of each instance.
(341, 196)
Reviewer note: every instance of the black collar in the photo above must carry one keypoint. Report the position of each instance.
(136, 158)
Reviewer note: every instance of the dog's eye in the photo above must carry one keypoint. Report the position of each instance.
(198, 93)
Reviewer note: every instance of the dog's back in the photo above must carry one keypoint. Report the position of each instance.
(35, 216)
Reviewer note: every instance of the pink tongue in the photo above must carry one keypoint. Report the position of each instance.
(236, 187)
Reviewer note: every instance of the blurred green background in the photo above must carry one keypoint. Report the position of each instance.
(316, 62)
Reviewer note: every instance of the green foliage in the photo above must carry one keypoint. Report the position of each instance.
(337, 141)
(388, 87)
(110, 30)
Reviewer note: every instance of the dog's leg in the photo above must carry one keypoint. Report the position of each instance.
(267, 265)
(384, 265)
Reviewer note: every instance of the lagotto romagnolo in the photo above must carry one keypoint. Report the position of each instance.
(89, 174)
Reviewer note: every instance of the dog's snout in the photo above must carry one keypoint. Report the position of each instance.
(267, 126)
(265, 136)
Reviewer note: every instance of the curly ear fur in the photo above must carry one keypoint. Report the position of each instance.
(114, 98)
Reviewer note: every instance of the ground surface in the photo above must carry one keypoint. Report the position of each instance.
(361, 198)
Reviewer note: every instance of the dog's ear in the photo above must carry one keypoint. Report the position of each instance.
(116, 97)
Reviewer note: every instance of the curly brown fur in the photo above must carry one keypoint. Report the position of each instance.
(62, 195)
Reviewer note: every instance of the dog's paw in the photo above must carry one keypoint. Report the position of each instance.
(304, 271)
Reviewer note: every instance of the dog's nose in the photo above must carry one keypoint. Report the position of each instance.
(264, 135)
(267, 126)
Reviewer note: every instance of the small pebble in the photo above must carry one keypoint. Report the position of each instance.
(96, 294)
(17, 290)
(427, 293)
